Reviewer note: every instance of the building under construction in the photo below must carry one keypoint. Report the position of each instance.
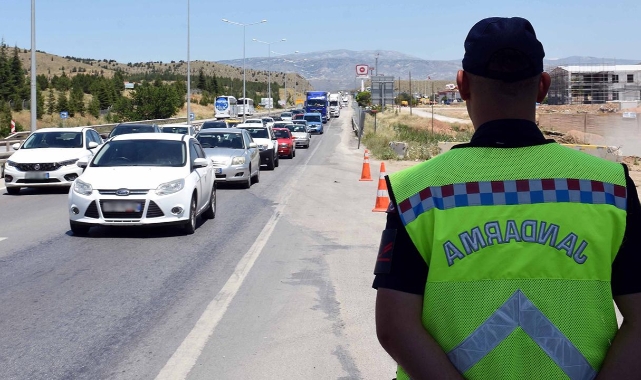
(594, 84)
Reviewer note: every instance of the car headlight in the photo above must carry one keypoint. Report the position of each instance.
(68, 162)
(262, 147)
(82, 187)
(238, 160)
(170, 187)
(11, 163)
(283, 145)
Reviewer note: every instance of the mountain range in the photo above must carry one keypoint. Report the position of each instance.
(335, 69)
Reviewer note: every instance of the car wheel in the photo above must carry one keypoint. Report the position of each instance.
(272, 163)
(210, 213)
(257, 176)
(294, 153)
(190, 226)
(247, 184)
(78, 229)
(276, 162)
(13, 190)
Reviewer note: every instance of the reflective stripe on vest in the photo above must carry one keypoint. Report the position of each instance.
(519, 311)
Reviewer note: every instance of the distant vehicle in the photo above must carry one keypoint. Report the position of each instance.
(345, 100)
(215, 124)
(277, 118)
(144, 179)
(225, 107)
(267, 144)
(48, 158)
(282, 124)
(298, 116)
(246, 107)
(261, 122)
(316, 101)
(234, 154)
(334, 105)
(123, 128)
(178, 128)
(297, 111)
(286, 116)
(314, 122)
(286, 144)
(300, 133)
(269, 122)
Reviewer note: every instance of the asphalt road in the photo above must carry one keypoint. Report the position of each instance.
(278, 285)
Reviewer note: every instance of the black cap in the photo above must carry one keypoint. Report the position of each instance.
(499, 34)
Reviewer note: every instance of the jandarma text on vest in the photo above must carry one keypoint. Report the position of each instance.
(530, 231)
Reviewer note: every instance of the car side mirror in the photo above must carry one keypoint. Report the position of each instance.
(253, 145)
(92, 145)
(274, 138)
(15, 146)
(200, 163)
(83, 162)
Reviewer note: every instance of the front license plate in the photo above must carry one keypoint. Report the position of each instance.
(219, 170)
(121, 206)
(36, 175)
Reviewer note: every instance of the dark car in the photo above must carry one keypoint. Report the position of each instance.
(214, 124)
(297, 111)
(123, 129)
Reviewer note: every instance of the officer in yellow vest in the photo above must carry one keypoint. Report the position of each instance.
(501, 258)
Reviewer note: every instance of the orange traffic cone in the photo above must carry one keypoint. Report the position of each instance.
(382, 197)
(365, 173)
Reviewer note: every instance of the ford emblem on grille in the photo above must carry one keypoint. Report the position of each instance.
(122, 192)
(36, 167)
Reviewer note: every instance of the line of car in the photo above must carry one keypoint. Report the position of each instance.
(139, 176)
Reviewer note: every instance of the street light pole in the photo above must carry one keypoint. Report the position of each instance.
(269, 70)
(34, 105)
(188, 72)
(286, 60)
(244, 77)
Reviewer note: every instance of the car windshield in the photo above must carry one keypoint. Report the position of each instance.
(260, 133)
(316, 102)
(286, 114)
(254, 121)
(315, 118)
(141, 153)
(281, 125)
(60, 139)
(124, 129)
(183, 130)
(281, 134)
(297, 128)
(268, 120)
(221, 140)
(214, 124)
(303, 122)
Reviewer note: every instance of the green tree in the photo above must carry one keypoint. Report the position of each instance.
(5, 74)
(40, 104)
(364, 98)
(63, 102)
(16, 73)
(202, 82)
(94, 107)
(76, 101)
(42, 81)
(63, 83)
(51, 102)
(5, 119)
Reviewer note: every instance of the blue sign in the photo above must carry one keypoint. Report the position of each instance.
(192, 117)
(64, 115)
(222, 104)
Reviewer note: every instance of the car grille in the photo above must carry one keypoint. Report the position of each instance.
(46, 167)
(131, 192)
(92, 211)
(48, 180)
(153, 211)
(219, 162)
(123, 215)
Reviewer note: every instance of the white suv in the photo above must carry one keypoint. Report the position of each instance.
(48, 158)
(266, 141)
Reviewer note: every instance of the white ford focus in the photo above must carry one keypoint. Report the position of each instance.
(48, 158)
(143, 179)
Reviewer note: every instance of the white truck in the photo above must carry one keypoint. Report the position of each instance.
(334, 105)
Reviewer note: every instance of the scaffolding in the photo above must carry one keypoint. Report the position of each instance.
(594, 84)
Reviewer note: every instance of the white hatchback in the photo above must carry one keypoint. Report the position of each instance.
(48, 158)
(144, 179)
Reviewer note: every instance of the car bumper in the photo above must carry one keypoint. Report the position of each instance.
(301, 142)
(151, 209)
(285, 150)
(63, 176)
(266, 156)
(232, 173)
(316, 129)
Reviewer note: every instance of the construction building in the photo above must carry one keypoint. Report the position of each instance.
(595, 84)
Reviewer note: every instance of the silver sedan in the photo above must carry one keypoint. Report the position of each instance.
(300, 134)
(234, 154)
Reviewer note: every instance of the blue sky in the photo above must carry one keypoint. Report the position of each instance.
(155, 30)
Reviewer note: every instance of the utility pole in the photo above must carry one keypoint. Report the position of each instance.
(432, 102)
(411, 95)
(376, 63)
(34, 100)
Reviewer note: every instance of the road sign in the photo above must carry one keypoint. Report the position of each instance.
(192, 117)
(13, 126)
(362, 71)
(64, 115)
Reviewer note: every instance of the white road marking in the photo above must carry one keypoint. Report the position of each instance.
(1, 238)
(185, 357)
(3, 188)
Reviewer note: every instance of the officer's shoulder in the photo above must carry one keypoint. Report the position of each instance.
(427, 164)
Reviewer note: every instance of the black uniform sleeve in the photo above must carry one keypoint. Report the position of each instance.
(625, 269)
(406, 270)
